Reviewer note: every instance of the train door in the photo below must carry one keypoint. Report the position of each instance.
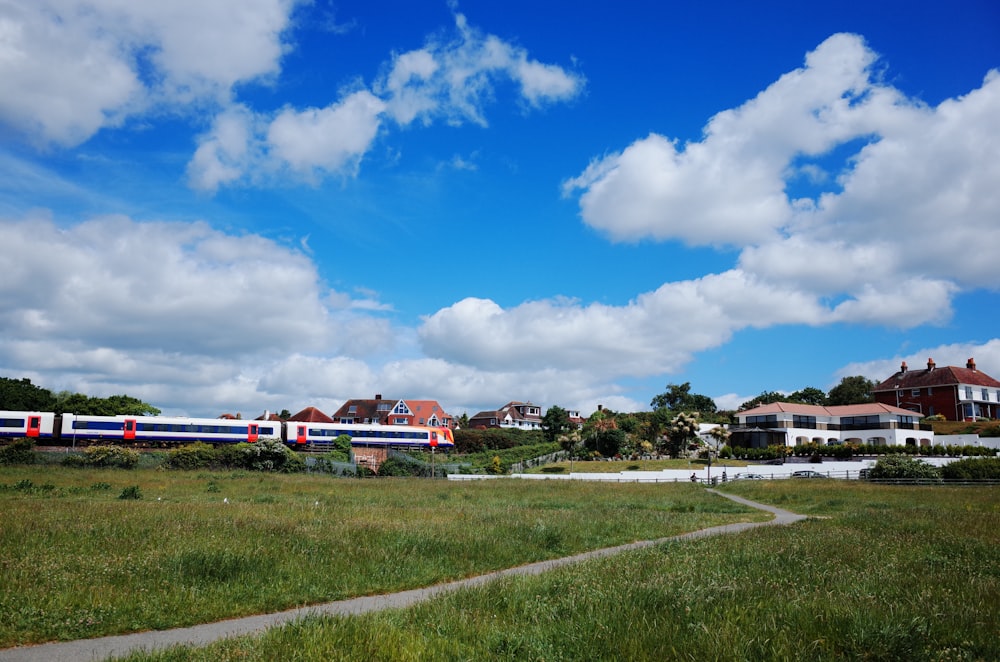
(129, 429)
(300, 434)
(253, 432)
(34, 426)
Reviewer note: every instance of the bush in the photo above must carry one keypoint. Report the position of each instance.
(131, 492)
(398, 466)
(104, 456)
(972, 469)
(192, 456)
(21, 451)
(267, 455)
(902, 466)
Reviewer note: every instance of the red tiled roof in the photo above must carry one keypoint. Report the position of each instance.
(946, 376)
(311, 415)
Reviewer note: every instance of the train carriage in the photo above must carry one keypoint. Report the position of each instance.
(301, 434)
(166, 429)
(31, 424)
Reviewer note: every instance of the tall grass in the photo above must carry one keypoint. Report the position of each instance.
(78, 561)
(880, 573)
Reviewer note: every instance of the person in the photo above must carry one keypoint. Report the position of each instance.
(723, 475)
(694, 479)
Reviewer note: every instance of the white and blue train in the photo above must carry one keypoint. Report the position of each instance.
(72, 429)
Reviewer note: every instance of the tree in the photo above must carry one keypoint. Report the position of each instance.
(679, 397)
(22, 395)
(765, 398)
(555, 422)
(683, 428)
(852, 391)
(808, 396)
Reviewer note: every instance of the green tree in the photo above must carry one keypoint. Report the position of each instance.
(765, 398)
(808, 396)
(555, 422)
(22, 395)
(852, 391)
(682, 431)
(679, 397)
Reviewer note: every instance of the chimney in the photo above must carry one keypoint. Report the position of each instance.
(902, 368)
(930, 364)
(600, 407)
(971, 364)
(378, 396)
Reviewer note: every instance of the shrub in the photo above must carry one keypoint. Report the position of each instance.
(131, 492)
(192, 456)
(398, 466)
(21, 451)
(972, 469)
(268, 455)
(902, 466)
(104, 456)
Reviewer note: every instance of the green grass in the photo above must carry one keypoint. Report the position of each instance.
(877, 573)
(77, 561)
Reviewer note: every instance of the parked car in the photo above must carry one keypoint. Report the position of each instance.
(748, 477)
(806, 473)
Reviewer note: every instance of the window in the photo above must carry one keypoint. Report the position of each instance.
(906, 419)
(804, 421)
(384, 406)
(353, 409)
(770, 420)
(968, 392)
(986, 394)
(915, 392)
(930, 390)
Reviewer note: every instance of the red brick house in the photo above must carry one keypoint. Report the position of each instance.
(394, 412)
(955, 393)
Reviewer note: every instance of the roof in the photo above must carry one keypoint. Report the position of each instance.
(311, 415)
(865, 409)
(946, 376)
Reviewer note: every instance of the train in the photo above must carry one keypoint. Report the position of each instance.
(73, 429)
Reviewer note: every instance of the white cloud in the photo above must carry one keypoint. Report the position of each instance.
(454, 79)
(907, 222)
(71, 68)
(656, 333)
(986, 355)
(327, 139)
(450, 81)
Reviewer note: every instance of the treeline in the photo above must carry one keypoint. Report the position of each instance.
(22, 395)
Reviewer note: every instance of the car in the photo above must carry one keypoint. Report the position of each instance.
(748, 477)
(806, 473)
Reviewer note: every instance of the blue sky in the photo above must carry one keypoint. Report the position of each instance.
(268, 204)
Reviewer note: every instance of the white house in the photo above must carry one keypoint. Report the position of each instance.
(790, 424)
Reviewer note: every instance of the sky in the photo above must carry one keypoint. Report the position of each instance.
(249, 205)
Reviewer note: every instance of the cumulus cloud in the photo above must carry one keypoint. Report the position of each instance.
(986, 355)
(71, 68)
(454, 79)
(656, 333)
(888, 240)
(112, 300)
(448, 80)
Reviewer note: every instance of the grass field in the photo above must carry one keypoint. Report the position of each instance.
(78, 561)
(877, 573)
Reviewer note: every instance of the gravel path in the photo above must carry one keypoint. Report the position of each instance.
(199, 635)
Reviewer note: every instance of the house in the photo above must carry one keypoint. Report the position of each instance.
(394, 412)
(516, 415)
(955, 393)
(792, 424)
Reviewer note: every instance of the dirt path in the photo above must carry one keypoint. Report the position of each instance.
(200, 635)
